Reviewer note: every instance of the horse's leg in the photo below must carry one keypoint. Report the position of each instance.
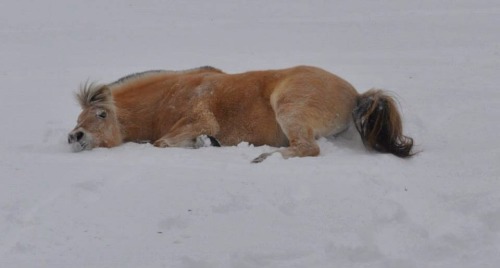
(177, 140)
(186, 133)
(303, 114)
(301, 140)
(298, 128)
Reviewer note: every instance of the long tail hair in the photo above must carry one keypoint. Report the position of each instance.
(378, 121)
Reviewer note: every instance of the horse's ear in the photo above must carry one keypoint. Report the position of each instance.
(95, 95)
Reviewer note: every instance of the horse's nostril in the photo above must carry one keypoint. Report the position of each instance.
(79, 135)
(71, 138)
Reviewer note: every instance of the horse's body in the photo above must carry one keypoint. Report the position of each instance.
(287, 108)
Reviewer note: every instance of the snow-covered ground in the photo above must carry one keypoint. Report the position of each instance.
(140, 206)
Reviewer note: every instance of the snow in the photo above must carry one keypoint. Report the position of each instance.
(141, 206)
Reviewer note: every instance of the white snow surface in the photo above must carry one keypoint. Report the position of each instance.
(141, 206)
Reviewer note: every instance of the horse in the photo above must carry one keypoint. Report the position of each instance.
(288, 109)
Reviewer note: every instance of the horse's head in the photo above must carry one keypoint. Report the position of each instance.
(97, 124)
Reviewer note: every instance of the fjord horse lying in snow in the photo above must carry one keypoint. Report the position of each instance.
(287, 108)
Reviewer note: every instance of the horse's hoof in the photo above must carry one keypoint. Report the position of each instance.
(260, 158)
(160, 144)
(205, 141)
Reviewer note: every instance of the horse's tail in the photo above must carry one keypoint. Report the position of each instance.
(378, 121)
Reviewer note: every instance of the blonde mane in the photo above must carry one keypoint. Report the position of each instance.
(95, 95)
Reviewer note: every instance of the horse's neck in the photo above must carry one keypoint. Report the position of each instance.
(137, 110)
(134, 123)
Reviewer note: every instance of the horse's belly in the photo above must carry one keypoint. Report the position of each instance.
(257, 127)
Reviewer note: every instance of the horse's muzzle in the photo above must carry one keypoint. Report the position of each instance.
(78, 140)
(75, 136)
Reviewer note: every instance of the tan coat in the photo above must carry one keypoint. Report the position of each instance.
(283, 108)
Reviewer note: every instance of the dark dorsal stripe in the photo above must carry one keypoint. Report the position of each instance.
(141, 74)
(135, 75)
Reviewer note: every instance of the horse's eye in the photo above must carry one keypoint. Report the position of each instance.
(102, 114)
